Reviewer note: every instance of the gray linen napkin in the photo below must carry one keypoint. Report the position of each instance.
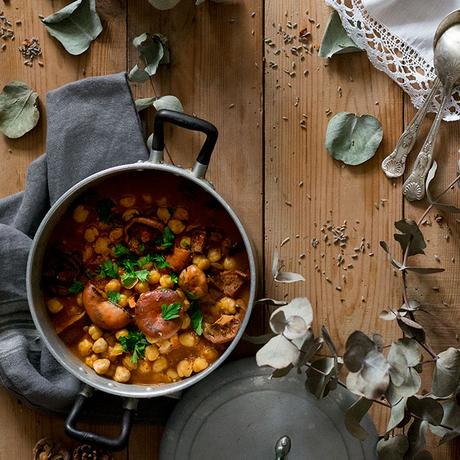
(92, 125)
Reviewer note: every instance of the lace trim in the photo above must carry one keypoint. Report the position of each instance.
(395, 57)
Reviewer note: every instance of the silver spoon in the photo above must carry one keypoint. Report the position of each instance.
(447, 65)
(282, 448)
(395, 163)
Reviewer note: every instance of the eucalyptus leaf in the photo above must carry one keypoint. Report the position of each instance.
(283, 277)
(308, 348)
(328, 341)
(272, 302)
(18, 109)
(446, 376)
(450, 419)
(354, 415)
(445, 207)
(406, 325)
(163, 102)
(320, 383)
(358, 345)
(425, 270)
(417, 437)
(258, 339)
(397, 414)
(410, 236)
(278, 373)
(278, 353)
(335, 39)
(138, 75)
(353, 139)
(412, 305)
(75, 26)
(387, 315)
(426, 409)
(393, 448)
(164, 4)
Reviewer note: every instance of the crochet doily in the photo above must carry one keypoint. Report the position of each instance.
(392, 55)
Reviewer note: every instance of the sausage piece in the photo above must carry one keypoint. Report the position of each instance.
(179, 259)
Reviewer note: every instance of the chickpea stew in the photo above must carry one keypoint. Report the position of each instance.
(146, 283)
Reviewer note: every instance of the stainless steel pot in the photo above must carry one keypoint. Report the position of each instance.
(154, 166)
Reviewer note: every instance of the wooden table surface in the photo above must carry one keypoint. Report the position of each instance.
(263, 154)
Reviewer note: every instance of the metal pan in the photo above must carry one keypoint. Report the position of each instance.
(153, 167)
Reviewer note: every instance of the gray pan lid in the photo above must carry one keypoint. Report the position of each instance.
(238, 412)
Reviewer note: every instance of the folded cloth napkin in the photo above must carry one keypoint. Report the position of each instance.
(398, 38)
(92, 125)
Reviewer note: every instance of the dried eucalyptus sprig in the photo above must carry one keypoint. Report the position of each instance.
(378, 374)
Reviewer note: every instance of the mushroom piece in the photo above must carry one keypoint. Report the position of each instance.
(149, 313)
(193, 282)
(103, 313)
(143, 231)
(223, 330)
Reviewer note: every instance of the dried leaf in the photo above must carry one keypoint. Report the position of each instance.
(308, 348)
(164, 4)
(353, 417)
(450, 419)
(258, 339)
(410, 235)
(358, 345)
(397, 414)
(278, 373)
(335, 39)
(426, 409)
(446, 376)
(272, 302)
(425, 270)
(163, 102)
(320, 383)
(75, 26)
(138, 75)
(416, 435)
(18, 109)
(353, 139)
(278, 353)
(283, 277)
(445, 207)
(328, 341)
(412, 305)
(387, 315)
(393, 448)
(412, 332)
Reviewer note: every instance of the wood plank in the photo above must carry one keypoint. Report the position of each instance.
(20, 426)
(294, 155)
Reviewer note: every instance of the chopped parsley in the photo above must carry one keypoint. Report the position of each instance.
(167, 238)
(114, 296)
(170, 311)
(159, 261)
(142, 275)
(174, 277)
(128, 279)
(121, 251)
(76, 287)
(108, 269)
(135, 343)
(144, 260)
(196, 316)
(104, 209)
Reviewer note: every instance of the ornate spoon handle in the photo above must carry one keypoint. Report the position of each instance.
(282, 448)
(414, 187)
(395, 163)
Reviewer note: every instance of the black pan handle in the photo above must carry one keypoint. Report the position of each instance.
(188, 122)
(112, 444)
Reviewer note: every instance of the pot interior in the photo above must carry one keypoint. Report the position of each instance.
(175, 184)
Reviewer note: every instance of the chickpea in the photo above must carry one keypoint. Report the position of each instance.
(116, 235)
(166, 282)
(188, 339)
(101, 246)
(230, 263)
(227, 305)
(84, 347)
(142, 286)
(147, 198)
(115, 350)
(123, 300)
(209, 353)
(80, 214)
(91, 233)
(152, 340)
(122, 374)
(101, 366)
(54, 306)
(214, 255)
(180, 213)
(121, 333)
(176, 226)
(151, 352)
(154, 276)
(89, 360)
(185, 242)
(164, 346)
(128, 201)
(79, 299)
(172, 374)
(100, 345)
(94, 332)
(163, 214)
(129, 214)
(202, 262)
(144, 367)
(128, 363)
(160, 364)
(186, 322)
(199, 364)
(184, 368)
(87, 253)
(113, 285)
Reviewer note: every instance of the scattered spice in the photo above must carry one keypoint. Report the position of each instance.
(30, 50)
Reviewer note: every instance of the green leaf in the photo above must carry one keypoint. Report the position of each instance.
(114, 296)
(353, 139)
(354, 415)
(142, 275)
(410, 236)
(160, 262)
(335, 39)
(174, 277)
(18, 109)
(128, 279)
(170, 311)
(76, 287)
(393, 448)
(121, 251)
(446, 376)
(135, 342)
(108, 269)
(75, 26)
(397, 414)
(164, 4)
(167, 239)
(196, 316)
(104, 210)
(321, 383)
(153, 51)
(163, 102)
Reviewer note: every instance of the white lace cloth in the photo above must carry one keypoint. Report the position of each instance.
(398, 38)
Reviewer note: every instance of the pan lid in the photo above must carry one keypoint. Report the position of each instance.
(239, 412)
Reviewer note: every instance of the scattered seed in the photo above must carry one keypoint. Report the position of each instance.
(284, 241)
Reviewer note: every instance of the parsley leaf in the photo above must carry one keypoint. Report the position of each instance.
(142, 275)
(174, 277)
(167, 239)
(108, 269)
(76, 287)
(128, 279)
(135, 342)
(144, 260)
(160, 261)
(196, 316)
(104, 209)
(129, 264)
(114, 296)
(121, 251)
(170, 311)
